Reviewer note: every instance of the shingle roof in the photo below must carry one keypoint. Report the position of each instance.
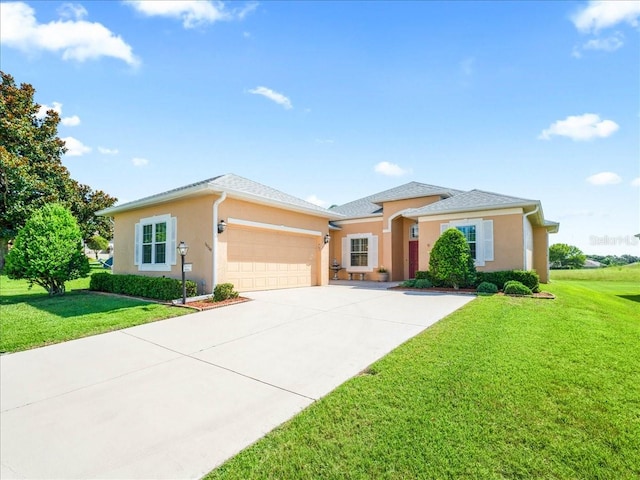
(234, 185)
(371, 206)
(472, 200)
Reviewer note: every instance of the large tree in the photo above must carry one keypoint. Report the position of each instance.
(562, 255)
(31, 170)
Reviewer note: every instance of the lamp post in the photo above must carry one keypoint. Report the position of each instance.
(183, 248)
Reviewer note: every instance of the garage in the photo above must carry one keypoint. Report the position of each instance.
(259, 259)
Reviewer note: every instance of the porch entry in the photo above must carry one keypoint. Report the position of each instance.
(413, 258)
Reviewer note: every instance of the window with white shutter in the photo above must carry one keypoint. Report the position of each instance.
(155, 243)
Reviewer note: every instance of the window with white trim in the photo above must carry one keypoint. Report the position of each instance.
(155, 243)
(479, 236)
(360, 252)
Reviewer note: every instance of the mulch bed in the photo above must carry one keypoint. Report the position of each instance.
(209, 304)
(470, 291)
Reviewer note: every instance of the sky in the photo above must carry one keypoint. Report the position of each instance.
(334, 101)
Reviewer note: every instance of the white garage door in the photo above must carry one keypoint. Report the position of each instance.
(263, 259)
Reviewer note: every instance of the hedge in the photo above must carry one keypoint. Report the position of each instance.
(513, 287)
(528, 278)
(159, 288)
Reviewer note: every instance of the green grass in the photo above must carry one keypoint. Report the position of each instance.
(503, 388)
(30, 318)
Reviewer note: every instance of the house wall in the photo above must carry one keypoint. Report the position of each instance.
(507, 237)
(395, 250)
(195, 227)
(357, 226)
(541, 253)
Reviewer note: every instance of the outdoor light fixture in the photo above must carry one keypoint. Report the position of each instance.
(222, 226)
(183, 248)
(327, 238)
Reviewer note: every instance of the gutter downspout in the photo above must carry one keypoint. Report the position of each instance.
(524, 238)
(214, 252)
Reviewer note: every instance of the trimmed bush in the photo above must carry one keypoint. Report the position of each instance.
(488, 288)
(423, 283)
(159, 288)
(409, 283)
(528, 278)
(513, 287)
(451, 262)
(423, 275)
(224, 291)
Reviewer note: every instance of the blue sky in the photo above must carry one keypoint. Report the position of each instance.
(332, 101)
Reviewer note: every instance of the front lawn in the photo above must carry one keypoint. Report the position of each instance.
(503, 388)
(30, 318)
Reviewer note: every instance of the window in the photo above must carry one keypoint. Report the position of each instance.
(479, 236)
(155, 243)
(414, 231)
(360, 252)
(469, 232)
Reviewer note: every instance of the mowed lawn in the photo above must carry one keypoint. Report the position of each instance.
(29, 318)
(503, 388)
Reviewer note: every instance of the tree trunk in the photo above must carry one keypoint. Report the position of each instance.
(4, 248)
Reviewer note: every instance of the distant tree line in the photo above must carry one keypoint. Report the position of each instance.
(613, 260)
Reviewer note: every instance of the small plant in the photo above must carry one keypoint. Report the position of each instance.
(224, 291)
(408, 283)
(382, 269)
(513, 287)
(423, 283)
(487, 288)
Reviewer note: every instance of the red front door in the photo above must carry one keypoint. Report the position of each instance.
(413, 258)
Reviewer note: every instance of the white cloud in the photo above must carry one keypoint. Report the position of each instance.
(325, 141)
(72, 121)
(604, 178)
(635, 182)
(316, 201)
(580, 127)
(601, 14)
(279, 98)
(75, 148)
(72, 10)
(139, 162)
(75, 38)
(609, 44)
(390, 169)
(192, 13)
(108, 151)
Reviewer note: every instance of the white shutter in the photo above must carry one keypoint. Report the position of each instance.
(487, 230)
(137, 244)
(173, 233)
(346, 252)
(443, 227)
(372, 261)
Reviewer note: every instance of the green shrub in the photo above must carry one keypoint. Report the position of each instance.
(408, 283)
(159, 288)
(526, 277)
(513, 287)
(488, 288)
(422, 275)
(451, 262)
(48, 250)
(423, 283)
(224, 291)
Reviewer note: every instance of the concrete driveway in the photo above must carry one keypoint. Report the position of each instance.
(176, 398)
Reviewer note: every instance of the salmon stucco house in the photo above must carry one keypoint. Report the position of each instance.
(258, 238)
(398, 227)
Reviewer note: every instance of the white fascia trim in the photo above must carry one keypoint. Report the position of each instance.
(359, 220)
(271, 226)
(470, 215)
